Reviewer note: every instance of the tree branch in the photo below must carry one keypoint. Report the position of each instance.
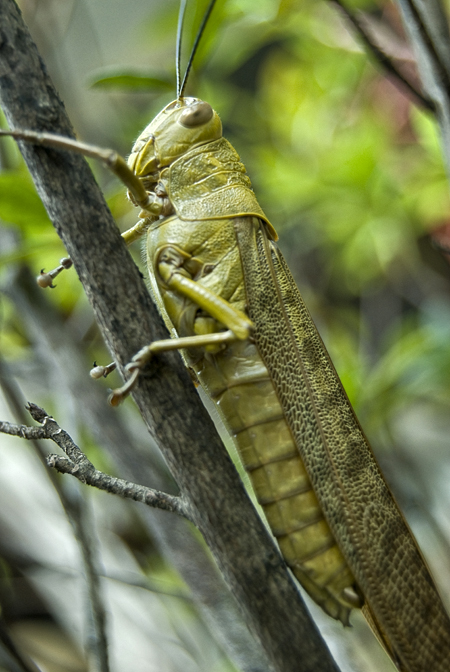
(77, 464)
(427, 27)
(207, 479)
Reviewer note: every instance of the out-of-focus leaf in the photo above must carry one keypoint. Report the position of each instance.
(19, 202)
(131, 81)
(413, 368)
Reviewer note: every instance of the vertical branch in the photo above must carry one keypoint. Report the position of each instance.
(427, 26)
(97, 641)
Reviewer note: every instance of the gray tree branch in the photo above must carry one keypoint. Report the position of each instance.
(77, 464)
(427, 27)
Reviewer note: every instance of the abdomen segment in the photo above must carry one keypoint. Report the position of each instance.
(240, 386)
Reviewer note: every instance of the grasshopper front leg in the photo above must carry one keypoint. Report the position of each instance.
(153, 204)
(109, 157)
(239, 325)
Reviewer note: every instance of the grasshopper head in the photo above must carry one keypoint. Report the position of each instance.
(179, 127)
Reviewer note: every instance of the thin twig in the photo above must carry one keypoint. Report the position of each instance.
(383, 59)
(25, 432)
(126, 578)
(86, 473)
(96, 640)
(77, 464)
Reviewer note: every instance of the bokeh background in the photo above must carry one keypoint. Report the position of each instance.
(350, 173)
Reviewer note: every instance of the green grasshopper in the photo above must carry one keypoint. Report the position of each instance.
(232, 307)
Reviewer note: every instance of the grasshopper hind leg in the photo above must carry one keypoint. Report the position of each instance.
(140, 360)
(109, 157)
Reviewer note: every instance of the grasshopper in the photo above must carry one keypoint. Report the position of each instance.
(230, 302)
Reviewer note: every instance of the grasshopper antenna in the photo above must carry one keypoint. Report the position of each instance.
(179, 38)
(201, 30)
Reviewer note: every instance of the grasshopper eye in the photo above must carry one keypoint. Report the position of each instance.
(196, 115)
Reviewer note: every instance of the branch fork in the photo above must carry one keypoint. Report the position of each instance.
(75, 463)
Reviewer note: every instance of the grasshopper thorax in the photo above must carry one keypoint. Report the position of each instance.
(181, 126)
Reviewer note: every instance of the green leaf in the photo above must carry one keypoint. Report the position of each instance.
(19, 202)
(131, 81)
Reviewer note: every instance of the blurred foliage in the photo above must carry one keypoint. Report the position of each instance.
(131, 81)
(348, 170)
